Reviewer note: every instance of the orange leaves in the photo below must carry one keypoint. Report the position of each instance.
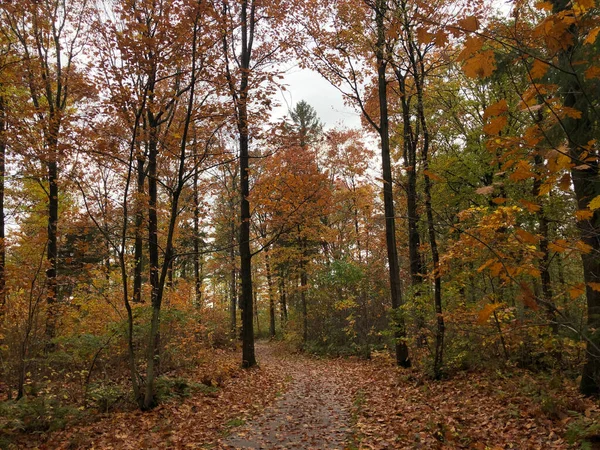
(539, 68)
(527, 237)
(497, 113)
(481, 65)
(469, 23)
(496, 109)
(529, 206)
(476, 61)
(577, 290)
(592, 36)
(583, 214)
(495, 125)
(486, 312)
(592, 72)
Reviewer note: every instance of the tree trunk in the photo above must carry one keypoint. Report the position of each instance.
(153, 249)
(271, 294)
(402, 357)
(246, 299)
(579, 133)
(303, 288)
(139, 223)
(197, 256)
(3, 129)
(282, 298)
(52, 247)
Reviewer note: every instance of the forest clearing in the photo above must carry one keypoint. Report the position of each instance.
(192, 258)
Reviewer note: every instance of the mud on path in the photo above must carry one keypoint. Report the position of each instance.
(314, 412)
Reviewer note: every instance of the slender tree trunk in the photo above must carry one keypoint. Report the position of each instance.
(256, 312)
(544, 264)
(246, 298)
(402, 357)
(303, 288)
(271, 294)
(197, 256)
(233, 290)
(3, 129)
(437, 285)
(153, 253)
(139, 223)
(52, 248)
(282, 298)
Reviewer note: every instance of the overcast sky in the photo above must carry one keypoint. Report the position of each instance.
(304, 84)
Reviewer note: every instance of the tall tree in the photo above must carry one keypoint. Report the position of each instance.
(249, 45)
(50, 35)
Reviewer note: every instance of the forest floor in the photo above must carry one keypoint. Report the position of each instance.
(295, 401)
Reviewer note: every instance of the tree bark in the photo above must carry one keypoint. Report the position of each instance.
(139, 222)
(271, 294)
(3, 130)
(402, 357)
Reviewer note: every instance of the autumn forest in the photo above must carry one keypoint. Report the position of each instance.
(180, 267)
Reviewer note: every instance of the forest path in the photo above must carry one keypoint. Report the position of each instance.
(313, 413)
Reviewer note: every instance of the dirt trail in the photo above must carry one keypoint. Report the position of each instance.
(313, 413)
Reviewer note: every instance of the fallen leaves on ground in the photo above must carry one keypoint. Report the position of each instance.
(346, 404)
(194, 422)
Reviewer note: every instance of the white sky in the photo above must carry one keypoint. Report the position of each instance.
(307, 85)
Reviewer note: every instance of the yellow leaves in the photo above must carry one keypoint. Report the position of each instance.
(594, 203)
(486, 312)
(584, 5)
(592, 35)
(577, 290)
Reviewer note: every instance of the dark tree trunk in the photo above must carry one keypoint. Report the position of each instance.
(239, 95)
(52, 247)
(402, 357)
(271, 294)
(139, 224)
(579, 133)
